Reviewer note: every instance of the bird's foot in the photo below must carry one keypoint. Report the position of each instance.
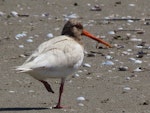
(58, 107)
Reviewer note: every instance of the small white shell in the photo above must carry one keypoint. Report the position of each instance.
(135, 61)
(130, 21)
(14, 13)
(120, 28)
(11, 91)
(138, 61)
(80, 104)
(50, 35)
(1, 13)
(127, 88)
(108, 57)
(29, 40)
(136, 40)
(109, 63)
(137, 70)
(139, 47)
(111, 32)
(125, 53)
(21, 35)
(132, 5)
(81, 98)
(73, 16)
(76, 75)
(128, 78)
(21, 46)
(129, 49)
(132, 59)
(86, 65)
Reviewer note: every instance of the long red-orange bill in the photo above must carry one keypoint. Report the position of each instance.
(86, 33)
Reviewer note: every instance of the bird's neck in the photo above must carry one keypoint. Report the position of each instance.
(78, 39)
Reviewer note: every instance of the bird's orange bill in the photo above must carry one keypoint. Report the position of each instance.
(86, 33)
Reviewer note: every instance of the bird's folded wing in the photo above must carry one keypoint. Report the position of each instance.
(56, 55)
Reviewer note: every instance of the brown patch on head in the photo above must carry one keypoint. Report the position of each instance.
(72, 28)
(75, 23)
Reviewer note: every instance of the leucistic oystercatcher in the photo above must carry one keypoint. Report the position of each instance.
(59, 56)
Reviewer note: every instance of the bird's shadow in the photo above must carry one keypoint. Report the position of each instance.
(23, 108)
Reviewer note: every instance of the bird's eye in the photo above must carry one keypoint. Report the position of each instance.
(79, 26)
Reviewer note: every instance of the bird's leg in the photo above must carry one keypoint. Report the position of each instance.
(47, 86)
(58, 106)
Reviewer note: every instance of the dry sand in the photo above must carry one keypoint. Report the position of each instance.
(105, 88)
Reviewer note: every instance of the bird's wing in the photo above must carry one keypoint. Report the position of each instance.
(46, 46)
(57, 53)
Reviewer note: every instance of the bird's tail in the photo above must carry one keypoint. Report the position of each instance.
(21, 69)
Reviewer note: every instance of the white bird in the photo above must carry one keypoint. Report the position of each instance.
(58, 57)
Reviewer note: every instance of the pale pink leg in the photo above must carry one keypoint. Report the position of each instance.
(58, 106)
